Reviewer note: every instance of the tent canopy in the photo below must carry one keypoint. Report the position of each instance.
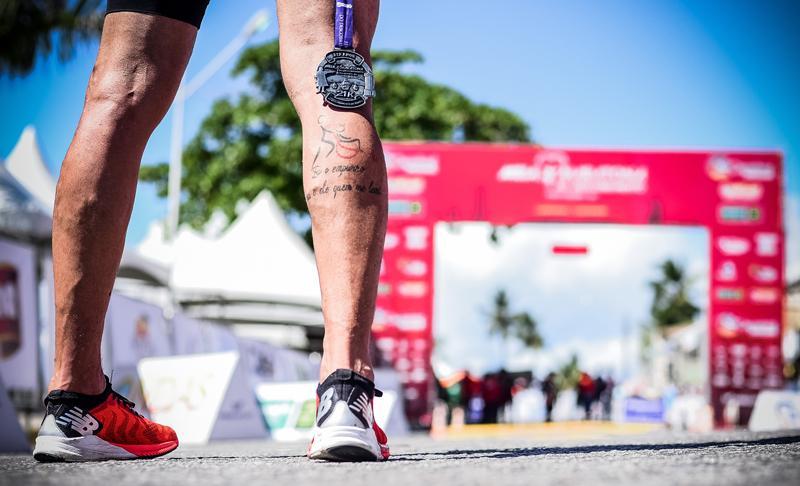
(27, 166)
(258, 258)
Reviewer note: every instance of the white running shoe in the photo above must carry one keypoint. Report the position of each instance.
(345, 429)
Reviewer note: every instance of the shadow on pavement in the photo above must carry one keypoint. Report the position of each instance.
(543, 451)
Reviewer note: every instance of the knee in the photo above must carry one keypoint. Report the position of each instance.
(118, 94)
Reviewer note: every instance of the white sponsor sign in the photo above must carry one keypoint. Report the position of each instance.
(18, 316)
(740, 191)
(722, 168)
(290, 408)
(563, 180)
(391, 241)
(416, 237)
(767, 244)
(733, 245)
(775, 410)
(729, 324)
(421, 164)
(727, 271)
(406, 186)
(764, 273)
(203, 397)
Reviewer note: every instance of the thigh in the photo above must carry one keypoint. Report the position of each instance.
(306, 35)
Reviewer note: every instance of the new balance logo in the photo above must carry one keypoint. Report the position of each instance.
(79, 421)
(361, 405)
(325, 403)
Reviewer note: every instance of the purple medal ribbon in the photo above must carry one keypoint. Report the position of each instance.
(343, 25)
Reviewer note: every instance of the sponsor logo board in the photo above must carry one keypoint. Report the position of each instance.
(419, 164)
(727, 272)
(739, 214)
(767, 244)
(764, 295)
(733, 245)
(723, 168)
(416, 237)
(563, 180)
(763, 273)
(729, 294)
(404, 208)
(730, 325)
(412, 289)
(406, 186)
(740, 191)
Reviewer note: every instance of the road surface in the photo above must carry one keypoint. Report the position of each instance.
(728, 458)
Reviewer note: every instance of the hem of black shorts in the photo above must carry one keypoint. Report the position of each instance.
(155, 14)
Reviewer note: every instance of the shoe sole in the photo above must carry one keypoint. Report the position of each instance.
(345, 444)
(345, 454)
(93, 448)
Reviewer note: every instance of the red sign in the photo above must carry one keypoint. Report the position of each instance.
(735, 195)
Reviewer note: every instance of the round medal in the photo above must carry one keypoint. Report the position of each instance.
(345, 79)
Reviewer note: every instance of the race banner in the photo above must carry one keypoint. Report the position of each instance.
(735, 195)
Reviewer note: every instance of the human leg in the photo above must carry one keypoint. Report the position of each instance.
(344, 176)
(131, 87)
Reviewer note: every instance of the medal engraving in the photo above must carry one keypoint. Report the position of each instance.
(345, 79)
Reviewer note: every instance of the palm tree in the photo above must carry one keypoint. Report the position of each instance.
(501, 319)
(527, 331)
(32, 28)
(569, 374)
(521, 325)
(671, 305)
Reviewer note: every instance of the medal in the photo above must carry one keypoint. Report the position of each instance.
(344, 78)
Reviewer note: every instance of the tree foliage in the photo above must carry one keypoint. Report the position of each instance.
(518, 325)
(254, 142)
(671, 304)
(569, 374)
(33, 28)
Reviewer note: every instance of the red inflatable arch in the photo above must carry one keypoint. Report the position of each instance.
(735, 195)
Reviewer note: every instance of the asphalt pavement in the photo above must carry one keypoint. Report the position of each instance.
(727, 458)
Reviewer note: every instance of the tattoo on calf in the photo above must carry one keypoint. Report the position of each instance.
(345, 147)
(335, 140)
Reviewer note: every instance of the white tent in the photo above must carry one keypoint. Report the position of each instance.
(27, 191)
(27, 166)
(21, 215)
(256, 271)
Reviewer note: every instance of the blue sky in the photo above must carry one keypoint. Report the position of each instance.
(618, 73)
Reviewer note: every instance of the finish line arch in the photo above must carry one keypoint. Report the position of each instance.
(735, 195)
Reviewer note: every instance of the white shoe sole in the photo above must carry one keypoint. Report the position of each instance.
(77, 449)
(345, 443)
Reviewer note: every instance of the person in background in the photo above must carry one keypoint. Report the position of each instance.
(550, 391)
(600, 385)
(585, 389)
(606, 397)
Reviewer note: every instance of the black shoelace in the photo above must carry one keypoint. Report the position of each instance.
(124, 401)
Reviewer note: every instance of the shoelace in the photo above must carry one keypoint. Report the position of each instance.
(128, 403)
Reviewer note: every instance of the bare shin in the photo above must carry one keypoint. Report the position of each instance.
(137, 72)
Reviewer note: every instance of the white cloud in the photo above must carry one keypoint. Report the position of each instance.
(582, 303)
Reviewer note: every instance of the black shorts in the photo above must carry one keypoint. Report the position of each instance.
(189, 11)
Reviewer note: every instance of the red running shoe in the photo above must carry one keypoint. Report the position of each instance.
(345, 429)
(79, 427)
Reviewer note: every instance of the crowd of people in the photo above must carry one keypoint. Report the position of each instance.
(487, 399)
